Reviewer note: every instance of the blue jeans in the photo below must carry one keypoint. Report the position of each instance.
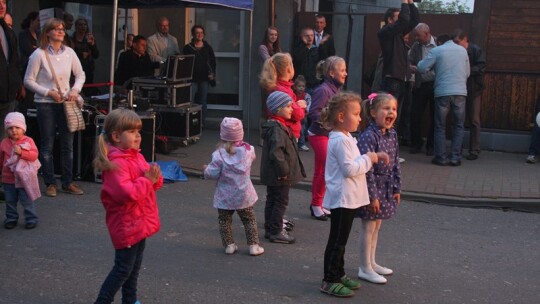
(303, 132)
(12, 195)
(125, 273)
(443, 105)
(200, 95)
(534, 148)
(51, 118)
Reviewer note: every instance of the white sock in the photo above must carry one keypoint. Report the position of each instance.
(317, 210)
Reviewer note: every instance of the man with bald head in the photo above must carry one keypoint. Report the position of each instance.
(423, 94)
(162, 44)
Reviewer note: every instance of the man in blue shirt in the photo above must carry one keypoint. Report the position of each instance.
(451, 65)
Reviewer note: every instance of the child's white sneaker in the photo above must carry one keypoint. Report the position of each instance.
(255, 250)
(231, 248)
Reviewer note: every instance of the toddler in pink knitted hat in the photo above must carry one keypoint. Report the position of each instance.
(231, 166)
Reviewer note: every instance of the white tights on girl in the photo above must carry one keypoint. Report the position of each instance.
(369, 270)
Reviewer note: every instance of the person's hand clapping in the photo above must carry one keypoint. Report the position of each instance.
(302, 103)
(153, 173)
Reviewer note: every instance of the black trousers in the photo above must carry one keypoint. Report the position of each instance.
(277, 200)
(340, 228)
(423, 97)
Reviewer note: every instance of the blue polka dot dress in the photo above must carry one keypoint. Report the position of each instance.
(383, 180)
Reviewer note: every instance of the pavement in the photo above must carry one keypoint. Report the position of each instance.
(495, 180)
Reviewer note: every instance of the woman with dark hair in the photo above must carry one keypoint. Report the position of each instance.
(48, 73)
(28, 38)
(84, 44)
(270, 43)
(204, 70)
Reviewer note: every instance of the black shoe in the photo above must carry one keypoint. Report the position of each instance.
(10, 225)
(282, 237)
(439, 162)
(429, 152)
(30, 225)
(320, 218)
(472, 156)
(455, 163)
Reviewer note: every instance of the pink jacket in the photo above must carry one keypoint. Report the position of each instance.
(295, 123)
(6, 148)
(21, 170)
(129, 198)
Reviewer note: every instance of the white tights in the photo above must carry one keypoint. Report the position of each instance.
(368, 245)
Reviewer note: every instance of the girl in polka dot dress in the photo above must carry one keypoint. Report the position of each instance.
(384, 180)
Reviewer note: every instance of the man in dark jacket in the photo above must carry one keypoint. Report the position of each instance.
(135, 62)
(323, 38)
(11, 87)
(475, 85)
(305, 58)
(398, 23)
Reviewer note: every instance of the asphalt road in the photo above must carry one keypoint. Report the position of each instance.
(439, 255)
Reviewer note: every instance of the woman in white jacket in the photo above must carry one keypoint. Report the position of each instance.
(54, 60)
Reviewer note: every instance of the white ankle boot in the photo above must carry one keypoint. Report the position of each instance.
(231, 248)
(371, 276)
(255, 250)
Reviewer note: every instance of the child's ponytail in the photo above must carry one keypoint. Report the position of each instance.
(273, 68)
(101, 161)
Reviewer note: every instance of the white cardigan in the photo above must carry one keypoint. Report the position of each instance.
(345, 173)
(38, 77)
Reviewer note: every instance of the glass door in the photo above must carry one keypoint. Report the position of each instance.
(224, 32)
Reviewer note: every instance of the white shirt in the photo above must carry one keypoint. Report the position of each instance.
(345, 173)
(318, 37)
(39, 79)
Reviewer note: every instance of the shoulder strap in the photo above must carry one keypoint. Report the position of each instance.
(52, 71)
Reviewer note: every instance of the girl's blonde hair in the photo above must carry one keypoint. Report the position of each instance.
(373, 102)
(227, 145)
(50, 25)
(324, 67)
(336, 104)
(273, 68)
(118, 120)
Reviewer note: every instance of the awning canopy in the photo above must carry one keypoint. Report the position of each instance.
(235, 4)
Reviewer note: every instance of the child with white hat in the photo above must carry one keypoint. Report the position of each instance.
(18, 156)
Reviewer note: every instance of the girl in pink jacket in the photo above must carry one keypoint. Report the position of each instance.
(18, 153)
(129, 198)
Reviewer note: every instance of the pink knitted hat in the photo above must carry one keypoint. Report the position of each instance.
(15, 119)
(231, 129)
